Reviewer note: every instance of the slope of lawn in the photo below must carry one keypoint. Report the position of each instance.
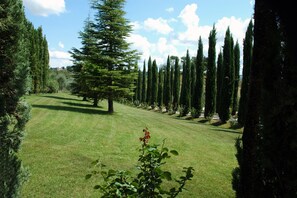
(65, 135)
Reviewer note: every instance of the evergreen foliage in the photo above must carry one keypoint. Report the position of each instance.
(219, 81)
(154, 83)
(268, 154)
(149, 81)
(110, 67)
(236, 78)
(117, 60)
(14, 112)
(167, 84)
(143, 96)
(176, 84)
(139, 86)
(210, 86)
(161, 87)
(197, 97)
(247, 62)
(186, 86)
(227, 85)
(39, 58)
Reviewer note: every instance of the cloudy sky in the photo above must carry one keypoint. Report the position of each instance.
(160, 27)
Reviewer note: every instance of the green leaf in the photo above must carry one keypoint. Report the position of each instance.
(97, 187)
(174, 152)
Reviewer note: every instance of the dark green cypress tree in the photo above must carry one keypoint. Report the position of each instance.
(167, 85)
(186, 89)
(172, 60)
(210, 87)
(236, 78)
(219, 81)
(45, 74)
(176, 84)
(143, 96)
(197, 97)
(149, 81)
(227, 85)
(154, 83)
(139, 86)
(14, 111)
(193, 80)
(160, 87)
(247, 62)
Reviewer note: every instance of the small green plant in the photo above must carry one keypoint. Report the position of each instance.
(148, 181)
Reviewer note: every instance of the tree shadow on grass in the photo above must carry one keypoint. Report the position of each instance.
(81, 105)
(226, 130)
(72, 109)
(61, 98)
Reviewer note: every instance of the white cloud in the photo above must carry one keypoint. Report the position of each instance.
(140, 43)
(61, 45)
(45, 7)
(59, 59)
(135, 25)
(171, 9)
(188, 16)
(160, 25)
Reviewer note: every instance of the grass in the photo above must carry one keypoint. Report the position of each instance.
(66, 134)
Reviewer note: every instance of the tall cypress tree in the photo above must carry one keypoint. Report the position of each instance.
(227, 85)
(268, 155)
(139, 86)
(236, 77)
(219, 81)
(149, 81)
(14, 112)
(154, 83)
(197, 97)
(176, 84)
(160, 87)
(193, 80)
(186, 89)
(247, 62)
(210, 87)
(143, 96)
(167, 85)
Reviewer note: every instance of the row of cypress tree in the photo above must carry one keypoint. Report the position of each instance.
(24, 62)
(267, 153)
(212, 82)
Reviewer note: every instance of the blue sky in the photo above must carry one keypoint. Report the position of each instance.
(160, 27)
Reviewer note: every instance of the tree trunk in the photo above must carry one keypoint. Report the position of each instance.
(95, 103)
(110, 105)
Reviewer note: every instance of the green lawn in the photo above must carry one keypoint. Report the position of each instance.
(66, 134)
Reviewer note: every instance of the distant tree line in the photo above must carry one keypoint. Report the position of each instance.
(199, 84)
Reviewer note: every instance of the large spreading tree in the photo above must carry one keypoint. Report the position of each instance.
(14, 112)
(116, 61)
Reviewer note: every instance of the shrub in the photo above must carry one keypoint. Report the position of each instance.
(148, 181)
